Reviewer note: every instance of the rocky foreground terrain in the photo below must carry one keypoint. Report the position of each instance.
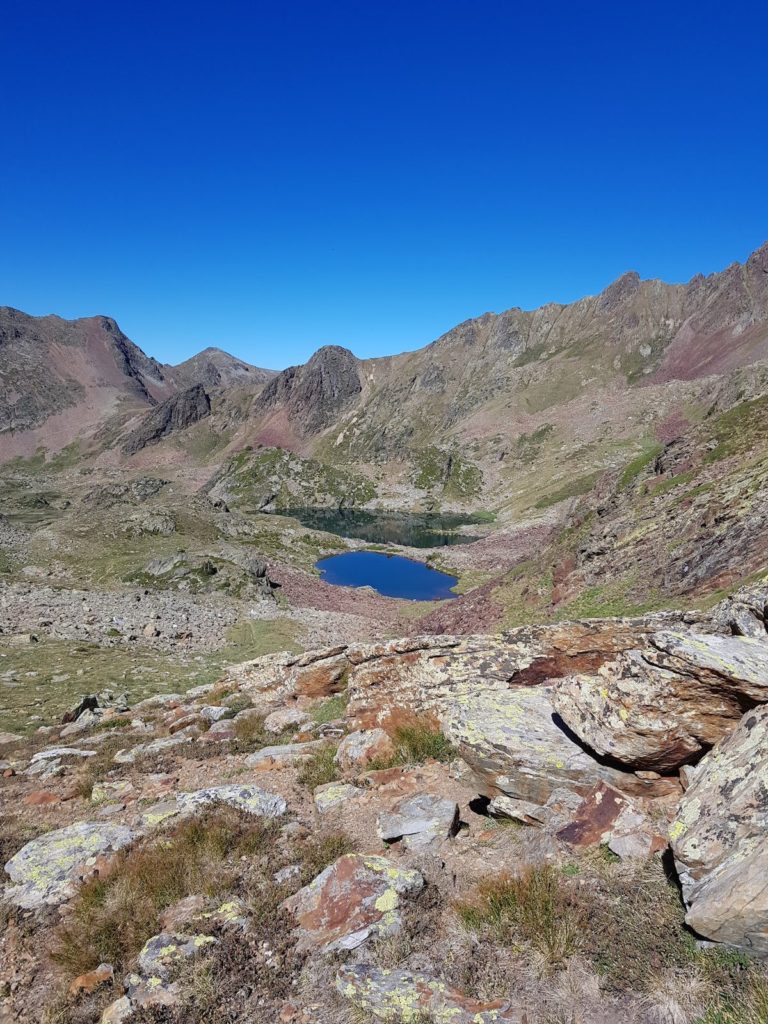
(558, 823)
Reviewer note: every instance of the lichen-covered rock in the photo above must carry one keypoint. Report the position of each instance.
(47, 870)
(117, 1012)
(397, 995)
(335, 794)
(419, 820)
(354, 899)
(720, 839)
(360, 748)
(248, 798)
(662, 706)
(162, 955)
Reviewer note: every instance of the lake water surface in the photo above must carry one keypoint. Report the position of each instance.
(427, 530)
(390, 575)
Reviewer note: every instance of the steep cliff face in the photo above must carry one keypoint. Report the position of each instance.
(176, 413)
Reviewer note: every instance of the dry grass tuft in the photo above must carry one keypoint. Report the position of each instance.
(319, 768)
(415, 742)
(535, 908)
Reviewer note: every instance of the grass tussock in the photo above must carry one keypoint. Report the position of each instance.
(416, 742)
(535, 908)
(320, 768)
(250, 735)
(112, 917)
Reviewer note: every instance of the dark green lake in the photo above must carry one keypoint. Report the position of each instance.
(417, 531)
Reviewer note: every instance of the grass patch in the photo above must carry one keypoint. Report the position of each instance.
(330, 710)
(416, 742)
(573, 489)
(535, 908)
(112, 917)
(320, 768)
(634, 468)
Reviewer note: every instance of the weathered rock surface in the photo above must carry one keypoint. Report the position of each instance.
(335, 794)
(397, 995)
(720, 839)
(662, 706)
(360, 748)
(354, 899)
(46, 871)
(419, 820)
(607, 817)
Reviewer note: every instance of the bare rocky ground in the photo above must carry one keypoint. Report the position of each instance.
(559, 824)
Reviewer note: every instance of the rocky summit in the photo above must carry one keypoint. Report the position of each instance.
(232, 792)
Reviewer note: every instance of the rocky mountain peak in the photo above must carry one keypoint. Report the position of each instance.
(315, 394)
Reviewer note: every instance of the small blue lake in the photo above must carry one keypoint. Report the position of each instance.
(390, 575)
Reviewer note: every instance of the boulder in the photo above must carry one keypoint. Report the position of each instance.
(419, 820)
(662, 707)
(720, 839)
(162, 954)
(47, 870)
(397, 995)
(354, 899)
(360, 748)
(282, 719)
(247, 798)
(607, 818)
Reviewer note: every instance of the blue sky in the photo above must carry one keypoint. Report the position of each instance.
(271, 177)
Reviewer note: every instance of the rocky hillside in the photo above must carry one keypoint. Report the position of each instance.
(559, 823)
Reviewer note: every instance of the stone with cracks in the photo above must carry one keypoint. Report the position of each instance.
(47, 870)
(663, 706)
(397, 995)
(720, 839)
(247, 798)
(356, 898)
(419, 820)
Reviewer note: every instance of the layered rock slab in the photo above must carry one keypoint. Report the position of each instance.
(720, 839)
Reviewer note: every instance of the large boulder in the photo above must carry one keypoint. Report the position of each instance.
(720, 839)
(354, 899)
(47, 870)
(663, 706)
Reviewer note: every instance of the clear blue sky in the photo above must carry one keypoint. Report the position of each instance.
(271, 177)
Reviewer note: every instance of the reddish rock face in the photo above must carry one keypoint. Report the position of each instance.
(356, 898)
(361, 748)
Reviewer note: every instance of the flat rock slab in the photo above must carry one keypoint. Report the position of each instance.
(354, 899)
(740, 661)
(282, 755)
(419, 820)
(407, 996)
(720, 839)
(335, 795)
(47, 870)
(250, 799)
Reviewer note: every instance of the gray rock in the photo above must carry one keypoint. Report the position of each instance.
(46, 871)
(419, 820)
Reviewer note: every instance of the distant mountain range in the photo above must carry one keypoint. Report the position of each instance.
(639, 358)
